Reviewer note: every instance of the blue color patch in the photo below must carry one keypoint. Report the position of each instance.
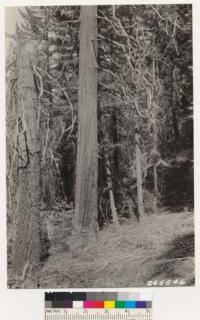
(141, 304)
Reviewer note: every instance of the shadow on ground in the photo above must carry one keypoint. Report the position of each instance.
(176, 260)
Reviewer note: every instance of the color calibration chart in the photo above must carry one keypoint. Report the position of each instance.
(98, 306)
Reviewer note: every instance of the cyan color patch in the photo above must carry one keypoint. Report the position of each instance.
(130, 304)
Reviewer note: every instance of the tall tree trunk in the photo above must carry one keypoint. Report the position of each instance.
(115, 140)
(85, 220)
(11, 125)
(26, 247)
(108, 173)
(139, 172)
(115, 148)
(174, 113)
(110, 189)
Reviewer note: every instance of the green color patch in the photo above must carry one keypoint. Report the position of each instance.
(119, 304)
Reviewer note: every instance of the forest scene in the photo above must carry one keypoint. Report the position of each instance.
(99, 118)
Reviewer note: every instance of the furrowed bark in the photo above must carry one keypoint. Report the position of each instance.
(85, 219)
(26, 247)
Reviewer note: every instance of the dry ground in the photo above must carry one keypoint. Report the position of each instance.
(161, 247)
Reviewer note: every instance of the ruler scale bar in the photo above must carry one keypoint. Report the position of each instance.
(97, 314)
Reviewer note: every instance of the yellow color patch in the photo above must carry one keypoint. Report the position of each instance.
(109, 304)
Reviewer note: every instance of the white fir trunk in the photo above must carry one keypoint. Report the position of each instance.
(139, 173)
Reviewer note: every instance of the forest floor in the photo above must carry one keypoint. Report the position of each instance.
(159, 248)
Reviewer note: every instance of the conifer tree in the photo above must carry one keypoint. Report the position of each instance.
(87, 150)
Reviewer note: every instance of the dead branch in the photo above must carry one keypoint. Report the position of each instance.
(40, 94)
(46, 139)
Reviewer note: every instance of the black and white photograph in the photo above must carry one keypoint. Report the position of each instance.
(99, 146)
